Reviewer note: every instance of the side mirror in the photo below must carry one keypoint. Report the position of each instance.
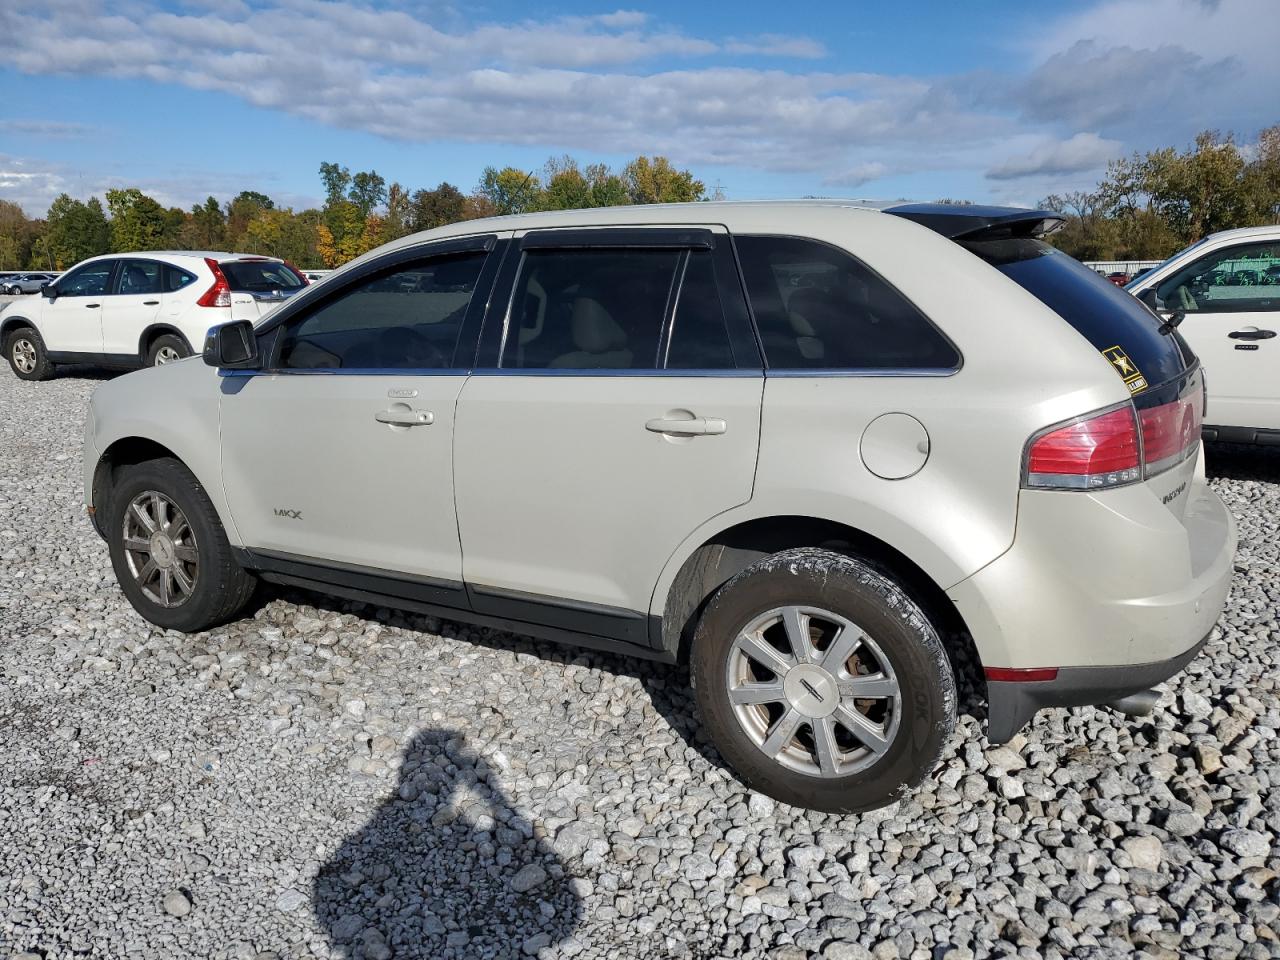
(232, 346)
(1148, 296)
(49, 290)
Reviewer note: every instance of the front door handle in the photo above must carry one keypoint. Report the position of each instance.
(90, 306)
(695, 427)
(405, 418)
(1251, 333)
(151, 303)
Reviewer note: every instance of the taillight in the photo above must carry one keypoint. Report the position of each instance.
(219, 295)
(1091, 453)
(1117, 446)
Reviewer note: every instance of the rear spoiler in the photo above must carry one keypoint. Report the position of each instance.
(970, 222)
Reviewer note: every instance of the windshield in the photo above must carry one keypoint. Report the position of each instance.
(1114, 321)
(261, 275)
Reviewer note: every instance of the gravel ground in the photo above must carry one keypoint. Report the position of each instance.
(328, 779)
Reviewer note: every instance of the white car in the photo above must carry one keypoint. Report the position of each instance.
(757, 438)
(139, 309)
(1226, 292)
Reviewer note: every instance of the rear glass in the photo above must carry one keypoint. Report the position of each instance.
(1115, 322)
(256, 276)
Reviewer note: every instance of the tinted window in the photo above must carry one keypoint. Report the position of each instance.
(817, 307)
(88, 281)
(138, 276)
(1240, 279)
(260, 275)
(1100, 311)
(590, 309)
(175, 278)
(699, 340)
(406, 318)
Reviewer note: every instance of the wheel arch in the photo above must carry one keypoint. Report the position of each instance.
(154, 332)
(732, 549)
(8, 324)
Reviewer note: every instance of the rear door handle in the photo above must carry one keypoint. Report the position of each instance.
(90, 306)
(405, 418)
(696, 427)
(1251, 333)
(151, 303)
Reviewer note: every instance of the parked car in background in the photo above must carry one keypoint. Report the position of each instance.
(24, 283)
(754, 437)
(1225, 294)
(139, 309)
(1119, 278)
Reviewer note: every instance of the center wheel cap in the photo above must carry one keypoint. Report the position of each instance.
(162, 551)
(811, 690)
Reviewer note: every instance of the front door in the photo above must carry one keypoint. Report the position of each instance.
(1231, 303)
(341, 452)
(618, 412)
(132, 307)
(72, 322)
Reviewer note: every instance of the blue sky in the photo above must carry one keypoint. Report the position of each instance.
(979, 100)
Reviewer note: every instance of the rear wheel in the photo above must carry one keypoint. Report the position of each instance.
(167, 349)
(169, 550)
(822, 683)
(27, 355)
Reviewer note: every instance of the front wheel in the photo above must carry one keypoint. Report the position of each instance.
(822, 682)
(27, 356)
(169, 550)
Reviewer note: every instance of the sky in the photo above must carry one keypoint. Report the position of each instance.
(980, 100)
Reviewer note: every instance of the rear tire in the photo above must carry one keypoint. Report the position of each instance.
(166, 349)
(169, 550)
(27, 356)
(849, 718)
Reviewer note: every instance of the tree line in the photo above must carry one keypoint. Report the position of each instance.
(361, 211)
(1150, 205)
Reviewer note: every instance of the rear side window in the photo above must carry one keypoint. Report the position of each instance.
(608, 309)
(259, 276)
(1114, 321)
(409, 317)
(817, 307)
(138, 276)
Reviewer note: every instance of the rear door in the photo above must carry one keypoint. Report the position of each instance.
(1230, 298)
(134, 304)
(72, 322)
(615, 408)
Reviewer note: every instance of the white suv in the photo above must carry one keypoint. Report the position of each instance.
(808, 447)
(139, 309)
(1224, 295)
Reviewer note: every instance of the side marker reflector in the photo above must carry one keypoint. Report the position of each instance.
(1021, 674)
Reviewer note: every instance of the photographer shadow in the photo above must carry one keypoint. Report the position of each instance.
(446, 868)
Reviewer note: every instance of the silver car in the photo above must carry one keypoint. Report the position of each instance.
(755, 438)
(24, 283)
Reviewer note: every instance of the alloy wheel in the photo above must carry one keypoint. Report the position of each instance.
(813, 691)
(24, 355)
(167, 355)
(160, 549)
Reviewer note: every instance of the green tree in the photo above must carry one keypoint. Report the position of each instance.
(368, 191)
(336, 180)
(75, 231)
(607, 188)
(18, 237)
(207, 230)
(510, 190)
(429, 209)
(397, 222)
(138, 222)
(655, 180)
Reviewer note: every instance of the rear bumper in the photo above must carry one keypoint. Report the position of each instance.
(1242, 435)
(1011, 705)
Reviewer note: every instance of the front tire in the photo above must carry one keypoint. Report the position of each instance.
(169, 550)
(822, 682)
(27, 356)
(167, 349)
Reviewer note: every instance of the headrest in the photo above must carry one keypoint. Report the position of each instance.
(594, 331)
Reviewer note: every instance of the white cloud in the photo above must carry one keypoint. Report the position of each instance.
(858, 175)
(49, 129)
(1080, 153)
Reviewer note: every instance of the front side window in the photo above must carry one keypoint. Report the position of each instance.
(817, 307)
(407, 317)
(1239, 279)
(91, 280)
(138, 276)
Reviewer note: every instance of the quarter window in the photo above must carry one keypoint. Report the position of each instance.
(175, 278)
(1239, 279)
(408, 317)
(88, 281)
(817, 307)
